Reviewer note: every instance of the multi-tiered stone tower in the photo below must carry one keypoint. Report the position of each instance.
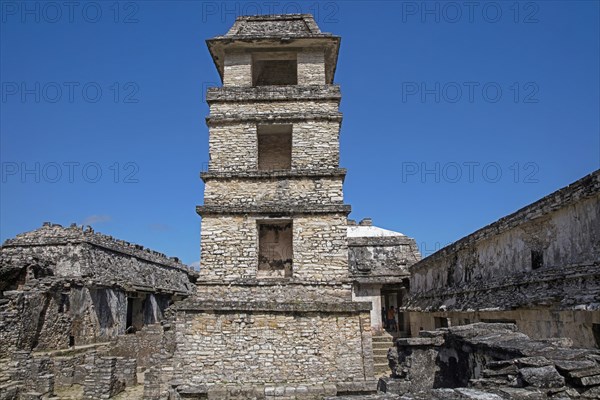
(273, 308)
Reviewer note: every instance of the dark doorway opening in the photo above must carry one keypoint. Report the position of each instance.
(596, 332)
(537, 259)
(275, 252)
(129, 319)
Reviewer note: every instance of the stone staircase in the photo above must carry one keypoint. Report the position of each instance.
(381, 344)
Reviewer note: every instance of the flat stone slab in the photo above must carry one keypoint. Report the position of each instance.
(542, 377)
(299, 306)
(420, 341)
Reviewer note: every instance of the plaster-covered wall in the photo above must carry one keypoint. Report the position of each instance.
(538, 267)
(567, 234)
(371, 294)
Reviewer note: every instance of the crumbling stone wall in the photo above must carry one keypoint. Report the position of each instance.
(23, 376)
(78, 252)
(109, 376)
(141, 346)
(382, 256)
(538, 267)
(495, 359)
(70, 286)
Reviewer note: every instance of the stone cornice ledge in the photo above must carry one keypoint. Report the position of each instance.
(563, 287)
(285, 307)
(291, 174)
(279, 210)
(266, 118)
(379, 241)
(272, 93)
(266, 282)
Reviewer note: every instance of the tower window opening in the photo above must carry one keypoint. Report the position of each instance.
(274, 69)
(275, 248)
(274, 147)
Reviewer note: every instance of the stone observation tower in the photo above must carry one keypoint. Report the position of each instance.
(273, 309)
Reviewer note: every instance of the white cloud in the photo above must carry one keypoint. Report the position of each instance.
(158, 227)
(196, 265)
(96, 219)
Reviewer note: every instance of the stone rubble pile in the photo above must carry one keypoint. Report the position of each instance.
(459, 362)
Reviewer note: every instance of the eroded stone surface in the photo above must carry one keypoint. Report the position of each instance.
(489, 358)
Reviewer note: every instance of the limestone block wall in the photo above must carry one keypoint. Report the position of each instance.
(234, 146)
(316, 145)
(239, 192)
(269, 107)
(230, 247)
(266, 291)
(320, 248)
(283, 348)
(237, 69)
(311, 67)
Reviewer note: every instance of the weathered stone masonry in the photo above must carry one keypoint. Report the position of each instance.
(72, 286)
(379, 260)
(273, 311)
(538, 267)
(490, 361)
(65, 293)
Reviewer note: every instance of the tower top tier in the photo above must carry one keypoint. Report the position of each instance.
(262, 34)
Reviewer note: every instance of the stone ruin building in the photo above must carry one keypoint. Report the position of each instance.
(287, 303)
(63, 287)
(538, 268)
(67, 288)
(379, 260)
(515, 305)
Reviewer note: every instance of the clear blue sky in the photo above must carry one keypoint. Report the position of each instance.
(439, 98)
